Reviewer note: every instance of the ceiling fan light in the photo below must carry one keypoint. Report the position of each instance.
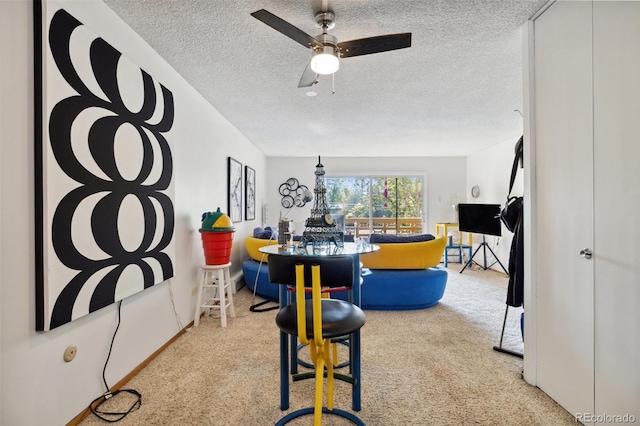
(325, 62)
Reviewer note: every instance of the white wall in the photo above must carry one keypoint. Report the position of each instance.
(37, 386)
(490, 169)
(445, 176)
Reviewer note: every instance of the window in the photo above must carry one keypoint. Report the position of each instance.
(377, 204)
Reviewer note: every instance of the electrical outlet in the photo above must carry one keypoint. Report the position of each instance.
(70, 353)
(194, 290)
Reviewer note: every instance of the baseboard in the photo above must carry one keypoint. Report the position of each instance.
(238, 279)
(500, 271)
(86, 412)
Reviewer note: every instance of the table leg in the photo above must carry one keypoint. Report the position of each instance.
(356, 281)
(354, 344)
(354, 347)
(284, 357)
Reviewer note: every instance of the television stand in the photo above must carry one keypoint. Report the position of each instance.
(484, 246)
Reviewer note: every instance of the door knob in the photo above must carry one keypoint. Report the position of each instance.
(586, 253)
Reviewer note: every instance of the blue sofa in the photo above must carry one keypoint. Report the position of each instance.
(402, 289)
(400, 276)
(404, 274)
(264, 288)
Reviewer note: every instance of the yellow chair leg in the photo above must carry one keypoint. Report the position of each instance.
(330, 380)
(313, 353)
(317, 409)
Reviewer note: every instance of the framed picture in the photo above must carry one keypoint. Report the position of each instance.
(235, 190)
(104, 206)
(250, 193)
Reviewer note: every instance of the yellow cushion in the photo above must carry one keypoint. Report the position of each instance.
(420, 255)
(253, 244)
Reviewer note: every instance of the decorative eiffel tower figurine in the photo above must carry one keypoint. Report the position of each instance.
(320, 228)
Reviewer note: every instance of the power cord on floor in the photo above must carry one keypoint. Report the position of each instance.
(96, 403)
(173, 304)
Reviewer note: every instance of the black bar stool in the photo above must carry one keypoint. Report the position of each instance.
(318, 320)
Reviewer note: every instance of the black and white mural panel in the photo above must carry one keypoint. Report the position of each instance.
(104, 172)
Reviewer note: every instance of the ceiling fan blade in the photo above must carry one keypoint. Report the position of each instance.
(367, 46)
(285, 28)
(309, 77)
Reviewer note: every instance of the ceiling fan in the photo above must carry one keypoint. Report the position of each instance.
(325, 48)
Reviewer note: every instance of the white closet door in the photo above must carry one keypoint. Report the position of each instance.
(616, 35)
(564, 204)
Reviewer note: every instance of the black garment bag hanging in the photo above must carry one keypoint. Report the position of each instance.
(513, 219)
(515, 290)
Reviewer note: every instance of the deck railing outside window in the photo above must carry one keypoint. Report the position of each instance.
(363, 226)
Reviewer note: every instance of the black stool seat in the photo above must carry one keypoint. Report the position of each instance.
(339, 318)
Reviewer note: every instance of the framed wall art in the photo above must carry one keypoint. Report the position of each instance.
(104, 172)
(250, 193)
(235, 190)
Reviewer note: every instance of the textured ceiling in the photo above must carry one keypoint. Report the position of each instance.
(454, 92)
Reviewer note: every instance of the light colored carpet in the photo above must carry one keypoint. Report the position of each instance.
(427, 367)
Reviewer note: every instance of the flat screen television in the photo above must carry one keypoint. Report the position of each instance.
(480, 218)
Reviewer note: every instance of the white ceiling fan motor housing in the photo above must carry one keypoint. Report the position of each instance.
(325, 58)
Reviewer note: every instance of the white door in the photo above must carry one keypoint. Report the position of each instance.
(616, 35)
(564, 204)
